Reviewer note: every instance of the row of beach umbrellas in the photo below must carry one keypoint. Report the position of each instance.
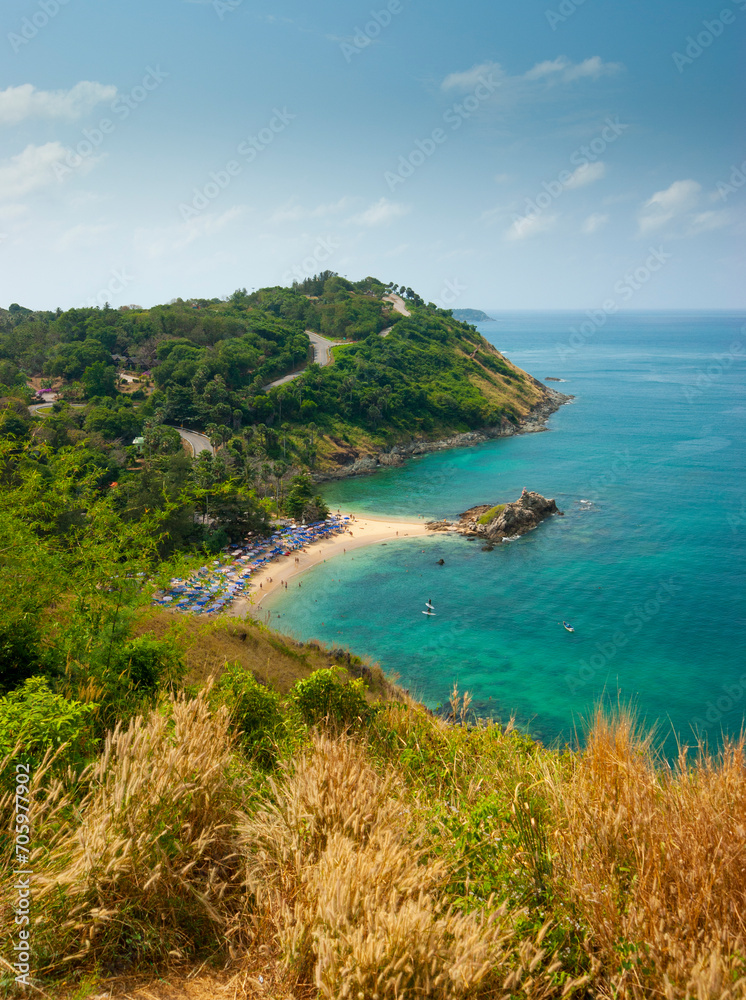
(214, 587)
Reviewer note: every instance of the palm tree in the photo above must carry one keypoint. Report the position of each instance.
(285, 428)
(279, 470)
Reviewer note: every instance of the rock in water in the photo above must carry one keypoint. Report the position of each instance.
(495, 522)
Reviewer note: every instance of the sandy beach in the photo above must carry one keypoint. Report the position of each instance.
(362, 531)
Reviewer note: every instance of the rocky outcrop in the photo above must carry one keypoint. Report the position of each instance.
(493, 523)
(350, 463)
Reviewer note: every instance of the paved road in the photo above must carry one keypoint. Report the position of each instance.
(196, 441)
(322, 355)
(398, 303)
(42, 408)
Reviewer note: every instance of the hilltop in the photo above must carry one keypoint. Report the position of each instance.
(319, 375)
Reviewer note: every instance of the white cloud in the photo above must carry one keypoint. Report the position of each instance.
(563, 69)
(293, 212)
(163, 242)
(29, 170)
(530, 225)
(82, 236)
(470, 78)
(12, 211)
(705, 222)
(664, 206)
(594, 222)
(381, 214)
(19, 103)
(587, 173)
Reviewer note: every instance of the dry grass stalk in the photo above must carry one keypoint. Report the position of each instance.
(147, 861)
(344, 891)
(654, 863)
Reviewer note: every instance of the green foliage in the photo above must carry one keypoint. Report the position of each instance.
(255, 710)
(99, 379)
(491, 514)
(145, 665)
(325, 697)
(34, 719)
(303, 503)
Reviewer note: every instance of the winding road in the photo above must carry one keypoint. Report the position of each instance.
(43, 408)
(196, 441)
(398, 303)
(322, 347)
(322, 355)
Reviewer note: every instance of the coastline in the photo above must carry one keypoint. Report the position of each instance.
(533, 423)
(364, 531)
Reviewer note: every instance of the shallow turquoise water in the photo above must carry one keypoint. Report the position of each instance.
(651, 575)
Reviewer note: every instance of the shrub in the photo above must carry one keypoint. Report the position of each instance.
(145, 865)
(148, 664)
(345, 890)
(34, 719)
(255, 711)
(324, 697)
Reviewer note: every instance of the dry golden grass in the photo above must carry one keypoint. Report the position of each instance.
(145, 864)
(653, 862)
(332, 879)
(274, 660)
(348, 899)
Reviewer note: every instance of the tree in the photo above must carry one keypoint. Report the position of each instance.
(100, 379)
(302, 504)
(279, 471)
(299, 496)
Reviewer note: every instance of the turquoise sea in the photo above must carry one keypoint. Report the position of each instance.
(650, 573)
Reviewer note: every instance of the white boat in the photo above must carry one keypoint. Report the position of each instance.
(567, 626)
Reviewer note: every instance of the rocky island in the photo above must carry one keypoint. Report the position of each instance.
(493, 523)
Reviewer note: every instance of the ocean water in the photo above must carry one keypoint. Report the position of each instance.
(650, 572)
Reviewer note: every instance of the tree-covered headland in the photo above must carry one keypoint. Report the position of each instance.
(209, 804)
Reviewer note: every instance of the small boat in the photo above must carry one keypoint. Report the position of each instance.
(430, 609)
(568, 626)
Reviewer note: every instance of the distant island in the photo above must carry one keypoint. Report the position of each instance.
(471, 316)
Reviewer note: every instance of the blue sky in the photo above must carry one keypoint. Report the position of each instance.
(527, 154)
